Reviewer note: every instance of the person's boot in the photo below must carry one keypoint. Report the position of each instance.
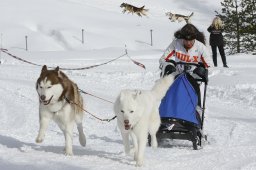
(226, 66)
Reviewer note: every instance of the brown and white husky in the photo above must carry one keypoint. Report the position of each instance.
(59, 100)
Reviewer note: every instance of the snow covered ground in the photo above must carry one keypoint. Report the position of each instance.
(54, 29)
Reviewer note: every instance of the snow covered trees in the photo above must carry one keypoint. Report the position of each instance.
(239, 17)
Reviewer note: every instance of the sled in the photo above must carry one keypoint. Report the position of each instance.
(181, 116)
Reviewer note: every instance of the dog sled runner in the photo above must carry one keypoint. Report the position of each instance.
(181, 115)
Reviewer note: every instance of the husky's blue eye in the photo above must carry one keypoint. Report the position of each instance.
(49, 87)
(131, 111)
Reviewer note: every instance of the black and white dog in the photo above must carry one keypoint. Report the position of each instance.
(178, 17)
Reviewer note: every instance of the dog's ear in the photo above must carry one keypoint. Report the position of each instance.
(136, 94)
(44, 68)
(57, 68)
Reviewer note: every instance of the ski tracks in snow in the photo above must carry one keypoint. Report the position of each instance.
(230, 119)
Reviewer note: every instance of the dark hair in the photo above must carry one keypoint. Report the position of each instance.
(190, 32)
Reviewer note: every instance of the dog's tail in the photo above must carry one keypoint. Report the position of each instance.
(188, 19)
(142, 8)
(78, 107)
(82, 138)
(162, 85)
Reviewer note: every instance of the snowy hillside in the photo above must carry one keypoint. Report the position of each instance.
(54, 28)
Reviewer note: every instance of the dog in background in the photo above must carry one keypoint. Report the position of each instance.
(178, 17)
(133, 9)
(59, 100)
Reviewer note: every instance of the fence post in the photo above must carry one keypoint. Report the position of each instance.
(151, 37)
(125, 49)
(26, 39)
(82, 35)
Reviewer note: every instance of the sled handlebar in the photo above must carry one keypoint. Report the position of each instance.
(203, 75)
(189, 64)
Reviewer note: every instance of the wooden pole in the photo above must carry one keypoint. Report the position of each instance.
(151, 39)
(125, 49)
(83, 36)
(26, 39)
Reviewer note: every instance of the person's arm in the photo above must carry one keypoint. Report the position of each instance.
(168, 53)
(205, 57)
(210, 28)
(166, 57)
(202, 71)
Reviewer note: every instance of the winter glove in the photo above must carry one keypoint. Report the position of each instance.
(201, 64)
(169, 69)
(202, 73)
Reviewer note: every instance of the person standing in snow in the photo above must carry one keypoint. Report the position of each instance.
(187, 47)
(216, 40)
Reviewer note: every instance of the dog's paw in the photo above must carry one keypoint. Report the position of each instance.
(39, 140)
(154, 146)
(139, 163)
(68, 152)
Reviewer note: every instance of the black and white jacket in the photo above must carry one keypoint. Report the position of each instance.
(216, 37)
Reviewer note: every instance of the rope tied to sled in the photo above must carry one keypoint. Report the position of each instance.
(71, 102)
(81, 68)
(82, 91)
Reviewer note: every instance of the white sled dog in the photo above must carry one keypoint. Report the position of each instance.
(59, 101)
(137, 115)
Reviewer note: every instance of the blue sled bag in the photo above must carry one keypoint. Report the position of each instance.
(180, 101)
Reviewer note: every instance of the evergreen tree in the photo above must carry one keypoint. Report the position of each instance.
(239, 19)
(248, 29)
